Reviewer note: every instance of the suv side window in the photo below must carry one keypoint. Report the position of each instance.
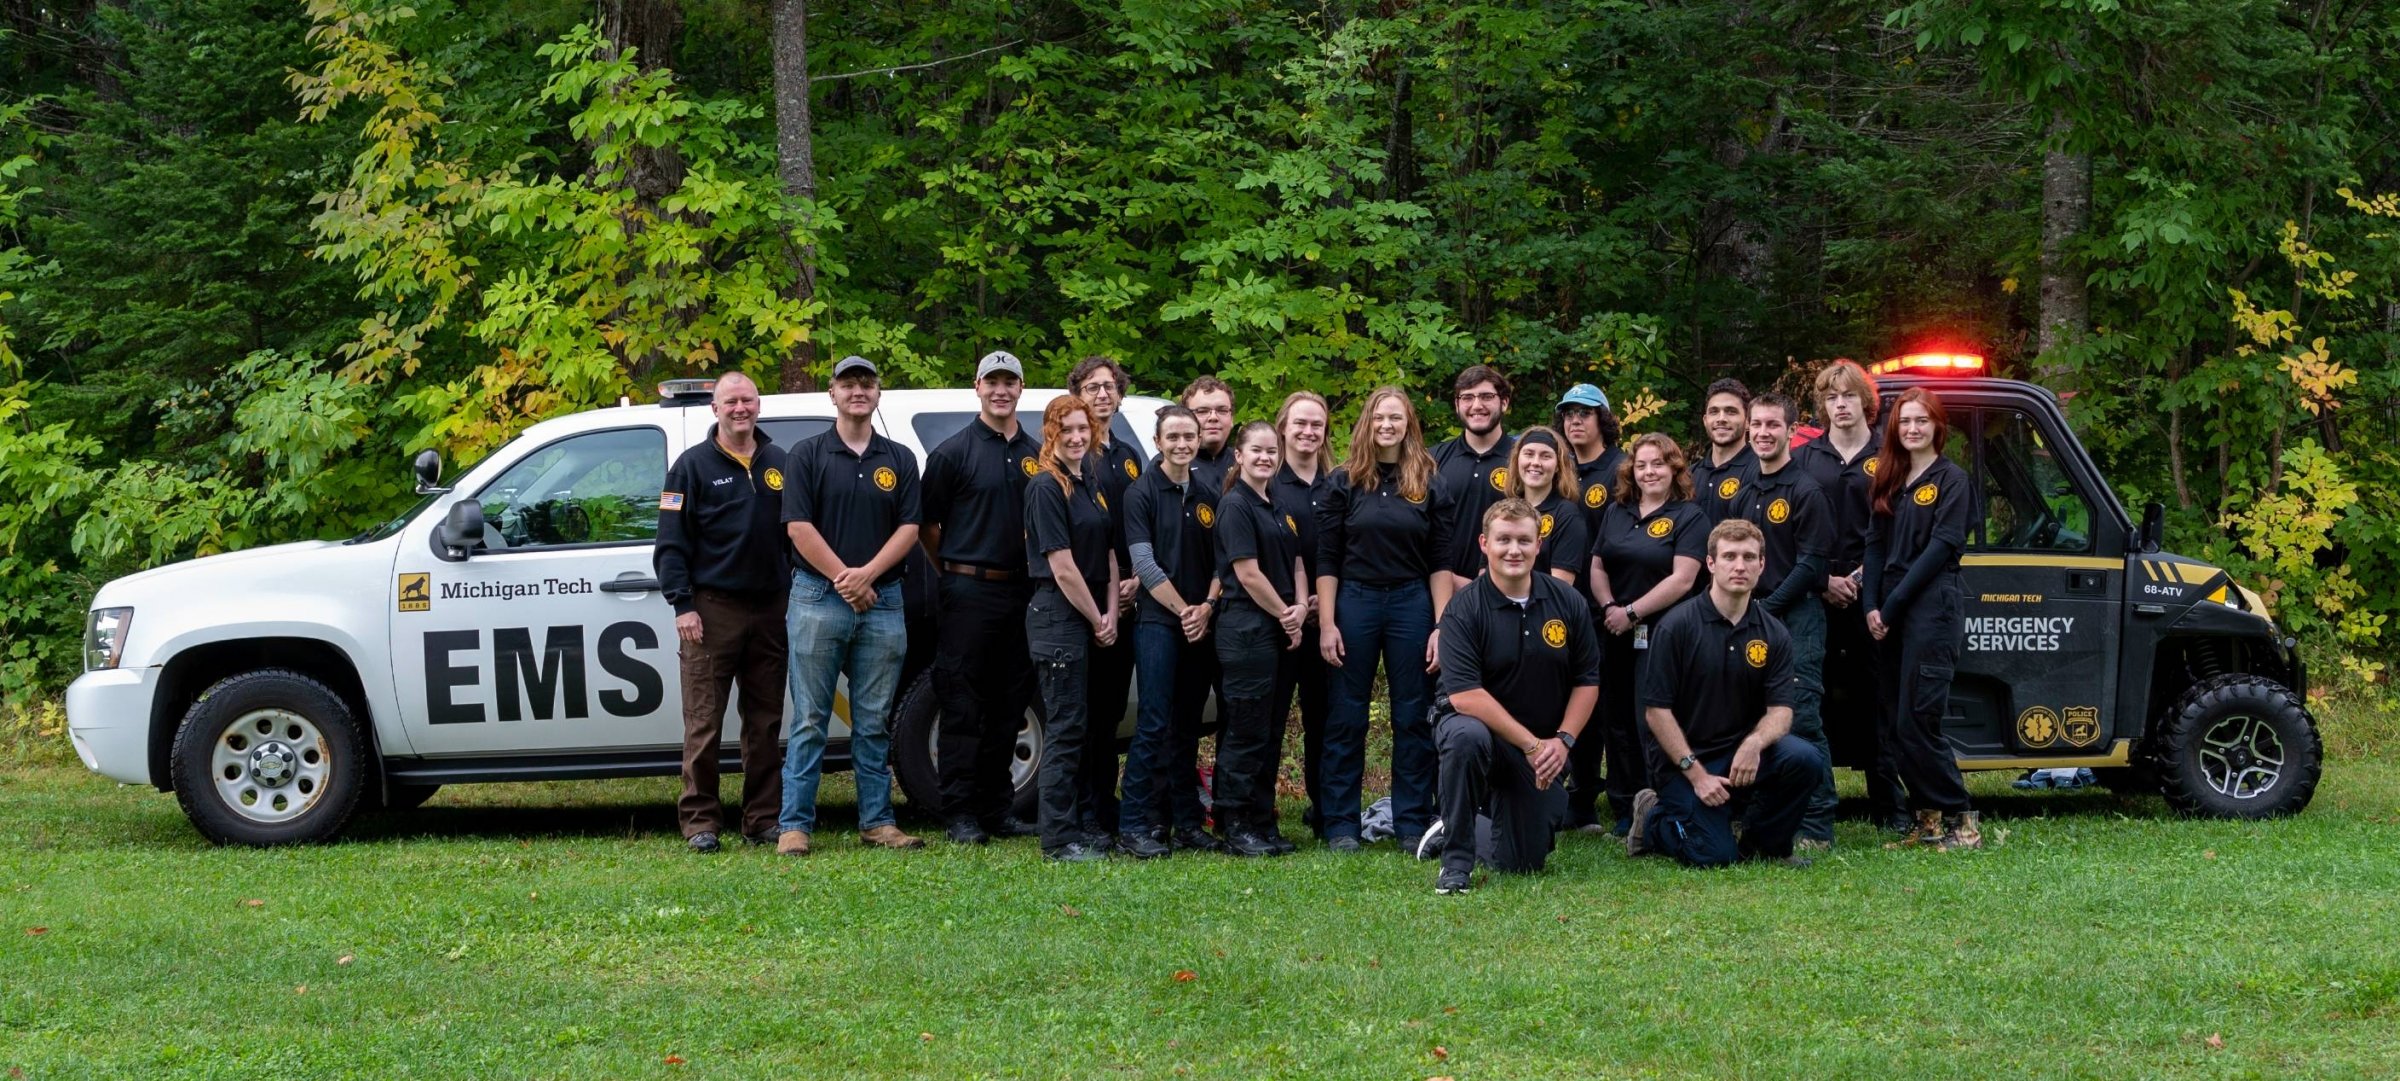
(789, 432)
(594, 488)
(2029, 502)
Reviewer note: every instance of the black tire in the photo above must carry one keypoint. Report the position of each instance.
(2238, 746)
(915, 722)
(268, 758)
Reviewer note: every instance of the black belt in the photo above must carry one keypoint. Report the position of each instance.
(988, 574)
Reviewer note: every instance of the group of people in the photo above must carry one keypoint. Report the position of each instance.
(1577, 631)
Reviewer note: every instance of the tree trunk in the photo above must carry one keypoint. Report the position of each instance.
(649, 28)
(796, 166)
(2066, 213)
(2175, 466)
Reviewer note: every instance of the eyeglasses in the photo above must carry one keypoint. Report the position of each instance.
(1485, 398)
(1212, 411)
(1097, 387)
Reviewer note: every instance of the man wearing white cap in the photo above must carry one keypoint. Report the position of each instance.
(974, 528)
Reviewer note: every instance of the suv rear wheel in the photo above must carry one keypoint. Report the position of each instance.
(2238, 746)
(915, 723)
(270, 757)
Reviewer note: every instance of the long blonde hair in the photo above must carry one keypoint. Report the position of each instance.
(1283, 416)
(1416, 466)
(1563, 482)
(1054, 423)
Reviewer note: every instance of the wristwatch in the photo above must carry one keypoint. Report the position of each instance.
(1685, 762)
(1567, 738)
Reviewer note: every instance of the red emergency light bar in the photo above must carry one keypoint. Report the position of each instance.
(1954, 363)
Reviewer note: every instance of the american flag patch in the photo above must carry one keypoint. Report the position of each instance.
(670, 500)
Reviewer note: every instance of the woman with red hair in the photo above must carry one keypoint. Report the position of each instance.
(1917, 525)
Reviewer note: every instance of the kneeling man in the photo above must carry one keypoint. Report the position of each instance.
(1520, 674)
(1717, 696)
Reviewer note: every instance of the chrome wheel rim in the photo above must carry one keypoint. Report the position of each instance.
(2241, 757)
(1024, 759)
(271, 765)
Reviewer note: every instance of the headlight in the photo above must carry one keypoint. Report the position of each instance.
(104, 637)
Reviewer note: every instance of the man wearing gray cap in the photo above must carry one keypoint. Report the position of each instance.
(851, 509)
(974, 528)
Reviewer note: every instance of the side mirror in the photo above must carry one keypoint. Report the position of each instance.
(2154, 526)
(429, 472)
(462, 528)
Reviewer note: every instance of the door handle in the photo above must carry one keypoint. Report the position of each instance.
(630, 585)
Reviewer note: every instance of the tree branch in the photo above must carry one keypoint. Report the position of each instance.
(896, 69)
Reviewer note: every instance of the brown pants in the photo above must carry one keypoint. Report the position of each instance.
(742, 640)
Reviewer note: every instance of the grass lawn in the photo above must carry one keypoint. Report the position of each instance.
(560, 931)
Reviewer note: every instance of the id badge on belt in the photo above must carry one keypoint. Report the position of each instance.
(1641, 636)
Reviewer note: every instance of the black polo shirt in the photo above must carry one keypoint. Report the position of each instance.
(975, 491)
(1717, 489)
(1178, 522)
(1303, 501)
(1637, 551)
(1530, 656)
(1212, 469)
(720, 523)
(1114, 468)
(1717, 675)
(1791, 510)
(1077, 524)
(1249, 527)
(856, 501)
(1932, 507)
(1845, 485)
(1599, 480)
(1566, 540)
(1473, 481)
(1379, 537)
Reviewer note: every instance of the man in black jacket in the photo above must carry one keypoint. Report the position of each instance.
(721, 562)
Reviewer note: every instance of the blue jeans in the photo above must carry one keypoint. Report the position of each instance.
(1162, 780)
(1390, 623)
(830, 641)
(1698, 835)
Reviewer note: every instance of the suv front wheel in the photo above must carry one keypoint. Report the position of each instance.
(916, 722)
(270, 757)
(2238, 746)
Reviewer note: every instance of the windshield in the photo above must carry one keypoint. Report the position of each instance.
(393, 526)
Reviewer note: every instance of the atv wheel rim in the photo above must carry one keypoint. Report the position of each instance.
(270, 765)
(2241, 757)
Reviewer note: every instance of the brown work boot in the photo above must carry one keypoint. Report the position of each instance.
(1965, 831)
(792, 843)
(1927, 831)
(889, 837)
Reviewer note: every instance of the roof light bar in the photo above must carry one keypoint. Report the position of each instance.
(1931, 362)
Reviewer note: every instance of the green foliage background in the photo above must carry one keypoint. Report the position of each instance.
(252, 256)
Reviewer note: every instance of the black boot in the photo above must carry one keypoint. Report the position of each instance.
(1142, 845)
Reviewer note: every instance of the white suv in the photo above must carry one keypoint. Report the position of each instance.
(508, 628)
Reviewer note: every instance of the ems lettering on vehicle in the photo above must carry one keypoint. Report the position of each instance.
(2018, 634)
